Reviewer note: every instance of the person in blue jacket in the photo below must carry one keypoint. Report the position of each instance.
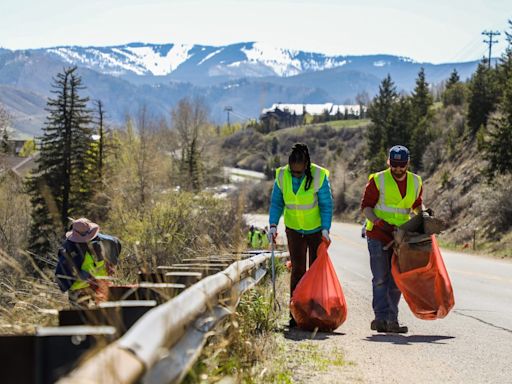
(85, 258)
(303, 194)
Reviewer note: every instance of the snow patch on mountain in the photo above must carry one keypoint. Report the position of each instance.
(210, 55)
(280, 60)
(380, 63)
(287, 62)
(147, 57)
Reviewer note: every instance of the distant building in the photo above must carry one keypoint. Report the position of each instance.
(331, 109)
(280, 115)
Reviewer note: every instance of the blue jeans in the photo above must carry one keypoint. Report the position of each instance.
(386, 295)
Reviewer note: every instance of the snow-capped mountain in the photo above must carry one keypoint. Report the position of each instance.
(246, 76)
(256, 59)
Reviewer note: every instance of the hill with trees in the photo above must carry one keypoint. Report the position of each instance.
(460, 141)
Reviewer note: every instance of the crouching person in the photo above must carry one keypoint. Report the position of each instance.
(86, 257)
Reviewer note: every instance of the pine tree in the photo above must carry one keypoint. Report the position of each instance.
(421, 101)
(455, 91)
(505, 66)
(483, 97)
(380, 113)
(399, 131)
(499, 148)
(421, 98)
(61, 185)
(454, 79)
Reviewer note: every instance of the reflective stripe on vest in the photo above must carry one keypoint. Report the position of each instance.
(89, 265)
(301, 210)
(392, 207)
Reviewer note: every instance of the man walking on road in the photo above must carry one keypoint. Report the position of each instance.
(388, 201)
(303, 193)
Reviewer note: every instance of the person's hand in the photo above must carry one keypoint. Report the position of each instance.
(93, 283)
(384, 226)
(325, 235)
(272, 234)
(429, 211)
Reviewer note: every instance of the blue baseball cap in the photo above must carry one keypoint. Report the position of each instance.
(398, 156)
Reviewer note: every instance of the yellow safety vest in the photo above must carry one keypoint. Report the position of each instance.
(392, 207)
(95, 268)
(301, 210)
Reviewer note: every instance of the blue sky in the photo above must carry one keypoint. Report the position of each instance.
(433, 31)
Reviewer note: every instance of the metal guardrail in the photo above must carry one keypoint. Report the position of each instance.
(163, 344)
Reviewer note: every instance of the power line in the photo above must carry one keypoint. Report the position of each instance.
(490, 34)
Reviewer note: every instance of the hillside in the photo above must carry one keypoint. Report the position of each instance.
(454, 185)
(247, 76)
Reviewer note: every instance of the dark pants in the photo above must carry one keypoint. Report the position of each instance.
(298, 245)
(386, 294)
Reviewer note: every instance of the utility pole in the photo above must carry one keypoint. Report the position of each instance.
(228, 109)
(490, 34)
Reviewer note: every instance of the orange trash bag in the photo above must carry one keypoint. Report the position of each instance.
(318, 301)
(427, 290)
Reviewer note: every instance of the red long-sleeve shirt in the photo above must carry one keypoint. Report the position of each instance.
(370, 199)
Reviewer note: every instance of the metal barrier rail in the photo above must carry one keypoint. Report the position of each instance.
(163, 344)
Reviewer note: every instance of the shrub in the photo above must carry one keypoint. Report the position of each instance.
(178, 225)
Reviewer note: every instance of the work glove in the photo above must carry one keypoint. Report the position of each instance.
(429, 211)
(272, 234)
(325, 235)
(384, 226)
(93, 283)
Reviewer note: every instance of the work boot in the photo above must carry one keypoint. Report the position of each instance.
(395, 327)
(378, 325)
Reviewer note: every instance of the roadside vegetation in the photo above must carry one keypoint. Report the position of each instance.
(256, 347)
(143, 182)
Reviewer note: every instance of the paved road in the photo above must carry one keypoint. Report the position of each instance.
(473, 344)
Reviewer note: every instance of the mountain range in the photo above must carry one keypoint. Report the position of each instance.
(246, 76)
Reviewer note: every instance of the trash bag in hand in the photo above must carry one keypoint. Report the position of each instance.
(427, 289)
(318, 301)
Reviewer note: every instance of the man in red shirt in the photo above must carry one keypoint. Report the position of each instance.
(389, 198)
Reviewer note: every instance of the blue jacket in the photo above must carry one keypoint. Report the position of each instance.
(71, 257)
(324, 203)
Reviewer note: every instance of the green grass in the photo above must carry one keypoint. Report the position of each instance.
(338, 124)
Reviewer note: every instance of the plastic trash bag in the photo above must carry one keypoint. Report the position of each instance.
(427, 290)
(318, 301)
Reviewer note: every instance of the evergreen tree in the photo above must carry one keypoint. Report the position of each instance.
(505, 65)
(421, 98)
(402, 119)
(380, 113)
(499, 148)
(61, 185)
(454, 79)
(421, 101)
(455, 91)
(483, 97)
